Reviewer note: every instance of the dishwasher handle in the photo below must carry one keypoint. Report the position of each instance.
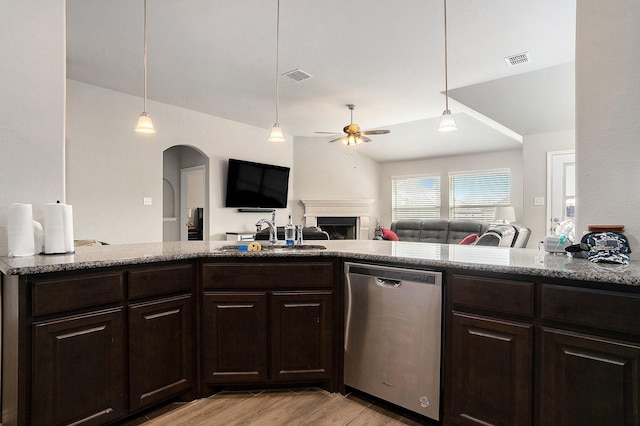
(388, 283)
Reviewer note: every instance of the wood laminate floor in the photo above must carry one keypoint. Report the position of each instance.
(309, 406)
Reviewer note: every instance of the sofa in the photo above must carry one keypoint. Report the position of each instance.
(441, 231)
(445, 231)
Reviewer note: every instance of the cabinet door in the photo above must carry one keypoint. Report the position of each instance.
(161, 343)
(234, 337)
(302, 336)
(491, 379)
(79, 371)
(588, 380)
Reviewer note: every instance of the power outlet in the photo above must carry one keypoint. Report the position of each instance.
(147, 201)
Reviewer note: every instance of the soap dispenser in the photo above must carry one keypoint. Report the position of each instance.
(289, 232)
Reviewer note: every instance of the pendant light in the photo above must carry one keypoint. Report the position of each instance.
(277, 135)
(447, 121)
(145, 125)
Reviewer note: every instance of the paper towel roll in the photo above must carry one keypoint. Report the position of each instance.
(38, 237)
(68, 228)
(54, 229)
(20, 230)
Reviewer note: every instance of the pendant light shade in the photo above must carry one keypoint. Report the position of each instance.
(145, 125)
(277, 135)
(447, 121)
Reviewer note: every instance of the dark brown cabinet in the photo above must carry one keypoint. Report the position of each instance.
(79, 371)
(582, 343)
(161, 334)
(235, 346)
(588, 380)
(301, 336)
(491, 372)
(489, 354)
(267, 323)
(589, 357)
(92, 347)
(160, 350)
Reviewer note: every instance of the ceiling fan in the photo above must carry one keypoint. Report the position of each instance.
(353, 136)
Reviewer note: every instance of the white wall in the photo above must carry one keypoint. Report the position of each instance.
(32, 96)
(608, 116)
(511, 159)
(331, 171)
(110, 168)
(534, 155)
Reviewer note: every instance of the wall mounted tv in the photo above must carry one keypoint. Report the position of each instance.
(256, 185)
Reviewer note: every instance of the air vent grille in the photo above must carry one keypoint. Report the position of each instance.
(297, 74)
(520, 58)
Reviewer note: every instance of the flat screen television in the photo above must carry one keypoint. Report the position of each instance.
(256, 185)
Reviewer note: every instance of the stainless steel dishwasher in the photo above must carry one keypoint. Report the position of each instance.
(393, 320)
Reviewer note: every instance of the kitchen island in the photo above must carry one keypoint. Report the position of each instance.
(98, 335)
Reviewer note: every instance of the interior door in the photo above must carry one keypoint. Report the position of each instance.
(561, 193)
(192, 203)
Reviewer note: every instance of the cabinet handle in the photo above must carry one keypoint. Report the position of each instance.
(388, 283)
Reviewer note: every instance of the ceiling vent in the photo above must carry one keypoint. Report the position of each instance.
(520, 58)
(297, 74)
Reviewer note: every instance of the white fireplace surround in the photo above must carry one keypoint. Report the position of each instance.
(360, 209)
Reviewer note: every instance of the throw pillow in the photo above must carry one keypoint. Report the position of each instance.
(469, 239)
(388, 234)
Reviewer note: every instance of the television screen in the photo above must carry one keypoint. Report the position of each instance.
(256, 185)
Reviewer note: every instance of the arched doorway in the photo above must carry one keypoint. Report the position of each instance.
(185, 194)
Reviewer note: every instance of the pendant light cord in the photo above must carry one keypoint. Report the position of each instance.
(277, 62)
(145, 56)
(446, 70)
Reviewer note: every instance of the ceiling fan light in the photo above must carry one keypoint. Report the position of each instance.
(145, 125)
(447, 122)
(358, 141)
(277, 134)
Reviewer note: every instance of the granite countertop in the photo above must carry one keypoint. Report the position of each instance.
(492, 259)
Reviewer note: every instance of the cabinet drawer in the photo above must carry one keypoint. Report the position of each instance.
(268, 275)
(487, 294)
(83, 291)
(160, 280)
(595, 308)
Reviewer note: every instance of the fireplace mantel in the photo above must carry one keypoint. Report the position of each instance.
(359, 209)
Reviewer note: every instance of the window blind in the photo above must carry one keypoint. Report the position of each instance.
(475, 195)
(415, 197)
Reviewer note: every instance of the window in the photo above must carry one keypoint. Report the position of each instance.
(475, 195)
(415, 197)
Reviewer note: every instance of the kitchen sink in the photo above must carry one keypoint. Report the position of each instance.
(276, 247)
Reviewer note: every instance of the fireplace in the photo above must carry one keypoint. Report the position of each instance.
(353, 210)
(338, 228)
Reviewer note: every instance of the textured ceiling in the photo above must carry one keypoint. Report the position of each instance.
(387, 57)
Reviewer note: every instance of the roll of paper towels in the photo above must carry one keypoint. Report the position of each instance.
(20, 230)
(38, 237)
(68, 228)
(58, 228)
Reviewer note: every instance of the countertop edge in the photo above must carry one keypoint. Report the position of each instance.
(549, 266)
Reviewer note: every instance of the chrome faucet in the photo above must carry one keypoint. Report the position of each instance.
(273, 231)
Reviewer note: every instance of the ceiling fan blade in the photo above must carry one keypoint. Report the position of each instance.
(376, 132)
(330, 133)
(365, 139)
(337, 139)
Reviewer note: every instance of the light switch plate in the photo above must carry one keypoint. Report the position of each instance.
(147, 201)
(538, 201)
